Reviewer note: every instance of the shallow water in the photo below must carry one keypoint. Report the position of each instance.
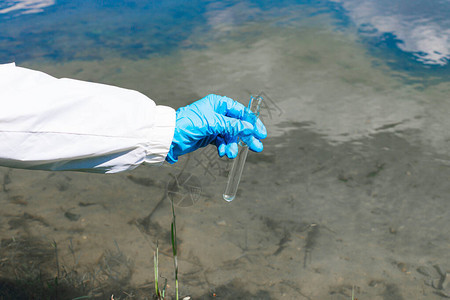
(351, 189)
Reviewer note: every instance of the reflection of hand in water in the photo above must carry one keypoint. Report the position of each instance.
(184, 189)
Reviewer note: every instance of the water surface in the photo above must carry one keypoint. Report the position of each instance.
(351, 189)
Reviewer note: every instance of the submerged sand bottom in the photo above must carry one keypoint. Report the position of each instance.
(370, 214)
(352, 189)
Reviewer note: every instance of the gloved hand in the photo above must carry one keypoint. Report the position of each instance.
(219, 120)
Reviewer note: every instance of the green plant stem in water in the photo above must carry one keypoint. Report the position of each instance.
(159, 293)
(174, 248)
(155, 262)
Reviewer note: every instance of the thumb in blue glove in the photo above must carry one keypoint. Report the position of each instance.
(215, 120)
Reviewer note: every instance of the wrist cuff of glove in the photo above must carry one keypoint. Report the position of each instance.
(171, 158)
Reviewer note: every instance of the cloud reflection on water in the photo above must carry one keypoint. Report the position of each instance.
(26, 6)
(420, 27)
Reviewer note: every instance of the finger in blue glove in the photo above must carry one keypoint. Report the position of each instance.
(219, 120)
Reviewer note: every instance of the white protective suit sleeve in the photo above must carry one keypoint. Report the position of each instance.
(64, 124)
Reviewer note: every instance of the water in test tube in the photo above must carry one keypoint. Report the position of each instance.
(238, 164)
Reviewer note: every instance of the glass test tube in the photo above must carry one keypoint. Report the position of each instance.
(238, 164)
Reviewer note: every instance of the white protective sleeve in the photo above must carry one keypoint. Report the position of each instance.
(64, 124)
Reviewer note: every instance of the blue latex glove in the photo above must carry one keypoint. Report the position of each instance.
(218, 120)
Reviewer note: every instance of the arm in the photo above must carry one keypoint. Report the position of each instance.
(64, 124)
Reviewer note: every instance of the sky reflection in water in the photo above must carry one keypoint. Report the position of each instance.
(419, 27)
(411, 31)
